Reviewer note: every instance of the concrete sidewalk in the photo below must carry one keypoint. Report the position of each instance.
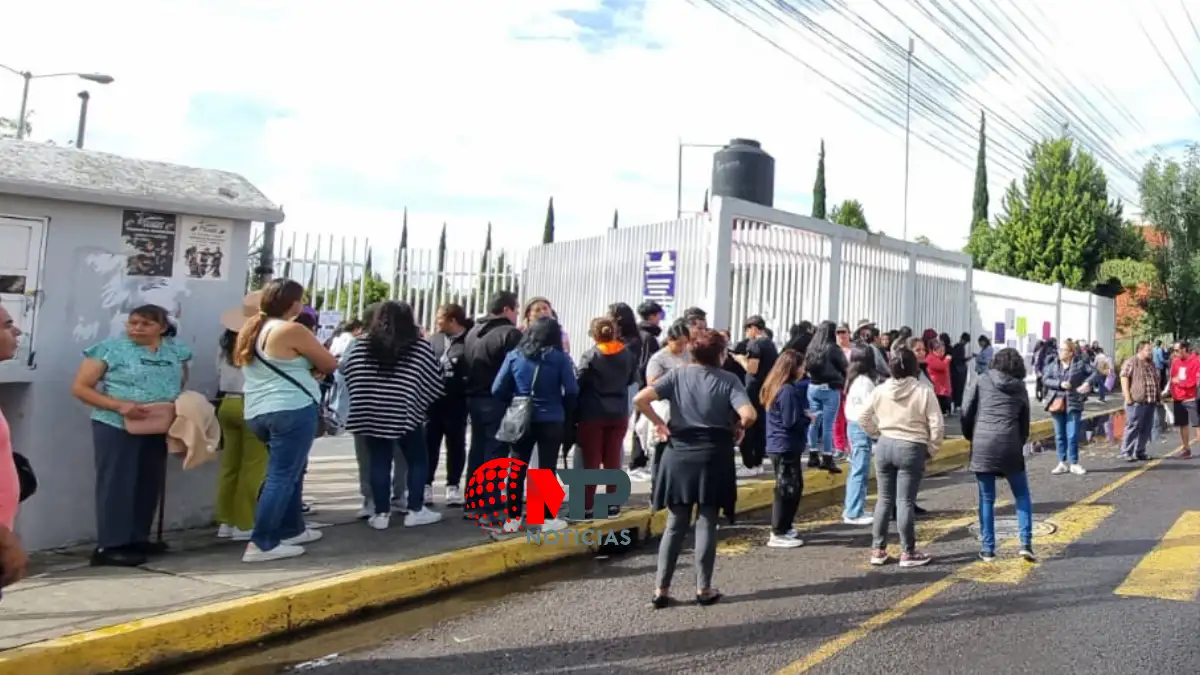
(202, 598)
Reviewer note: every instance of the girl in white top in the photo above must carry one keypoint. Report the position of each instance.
(860, 382)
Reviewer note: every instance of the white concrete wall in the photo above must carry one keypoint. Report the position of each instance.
(86, 298)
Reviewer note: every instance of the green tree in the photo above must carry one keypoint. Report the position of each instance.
(1170, 194)
(850, 214)
(922, 240)
(979, 206)
(548, 231)
(8, 126)
(704, 209)
(487, 248)
(400, 274)
(368, 270)
(614, 219)
(439, 282)
(818, 209)
(1057, 225)
(287, 264)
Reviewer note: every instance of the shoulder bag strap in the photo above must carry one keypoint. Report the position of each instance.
(262, 358)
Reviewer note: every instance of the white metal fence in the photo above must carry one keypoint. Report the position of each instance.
(344, 274)
(741, 259)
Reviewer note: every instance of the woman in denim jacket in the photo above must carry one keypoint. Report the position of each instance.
(1066, 380)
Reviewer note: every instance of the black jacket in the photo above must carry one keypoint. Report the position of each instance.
(485, 347)
(649, 335)
(996, 421)
(604, 381)
(828, 367)
(451, 353)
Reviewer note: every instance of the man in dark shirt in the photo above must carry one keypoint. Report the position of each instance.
(484, 349)
(757, 360)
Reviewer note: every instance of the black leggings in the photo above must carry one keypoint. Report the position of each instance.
(548, 437)
(789, 486)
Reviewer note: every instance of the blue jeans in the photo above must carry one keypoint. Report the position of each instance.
(1019, 484)
(823, 402)
(288, 435)
(380, 452)
(860, 471)
(1066, 435)
(485, 413)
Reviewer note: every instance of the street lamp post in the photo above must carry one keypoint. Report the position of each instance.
(84, 97)
(98, 78)
(679, 173)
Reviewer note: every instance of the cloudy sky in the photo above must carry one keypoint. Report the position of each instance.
(469, 111)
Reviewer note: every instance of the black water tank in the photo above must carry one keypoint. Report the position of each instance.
(744, 170)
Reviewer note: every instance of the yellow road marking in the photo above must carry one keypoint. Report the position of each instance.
(832, 648)
(1073, 522)
(1172, 570)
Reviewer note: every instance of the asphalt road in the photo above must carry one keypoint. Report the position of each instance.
(1112, 544)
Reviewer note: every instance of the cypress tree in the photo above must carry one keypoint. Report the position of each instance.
(818, 208)
(979, 207)
(548, 231)
(614, 219)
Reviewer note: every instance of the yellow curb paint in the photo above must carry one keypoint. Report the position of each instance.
(211, 628)
(1172, 570)
(1079, 523)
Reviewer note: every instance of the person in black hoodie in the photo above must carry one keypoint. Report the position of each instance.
(606, 371)
(484, 348)
(826, 365)
(649, 330)
(448, 414)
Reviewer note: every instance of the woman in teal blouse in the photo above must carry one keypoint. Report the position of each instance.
(117, 378)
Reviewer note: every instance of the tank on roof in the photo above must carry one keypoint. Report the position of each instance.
(742, 169)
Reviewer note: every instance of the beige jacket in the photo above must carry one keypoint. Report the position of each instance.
(195, 433)
(906, 411)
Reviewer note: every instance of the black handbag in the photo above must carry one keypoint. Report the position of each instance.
(26, 476)
(519, 414)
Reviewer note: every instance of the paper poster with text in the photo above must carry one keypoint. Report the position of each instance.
(204, 248)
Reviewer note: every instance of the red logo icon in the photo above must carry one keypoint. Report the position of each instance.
(488, 491)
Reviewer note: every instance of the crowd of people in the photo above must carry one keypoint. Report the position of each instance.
(688, 400)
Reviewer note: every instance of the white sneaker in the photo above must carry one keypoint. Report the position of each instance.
(1060, 469)
(1078, 470)
(224, 531)
(789, 540)
(454, 496)
(254, 554)
(745, 472)
(380, 521)
(425, 516)
(400, 505)
(364, 513)
(308, 536)
(237, 534)
(861, 520)
(428, 495)
(554, 525)
(639, 475)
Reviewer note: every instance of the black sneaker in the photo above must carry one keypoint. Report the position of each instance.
(1027, 554)
(117, 557)
(987, 556)
(814, 460)
(829, 465)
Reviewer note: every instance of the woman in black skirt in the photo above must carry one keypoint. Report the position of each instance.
(709, 411)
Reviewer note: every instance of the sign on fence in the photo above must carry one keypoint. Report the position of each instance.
(658, 280)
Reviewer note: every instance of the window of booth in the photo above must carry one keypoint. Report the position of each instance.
(22, 249)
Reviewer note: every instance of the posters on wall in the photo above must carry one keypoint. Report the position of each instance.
(998, 333)
(204, 245)
(658, 280)
(148, 242)
(1022, 324)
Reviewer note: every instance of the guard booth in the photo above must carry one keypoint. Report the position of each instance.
(84, 238)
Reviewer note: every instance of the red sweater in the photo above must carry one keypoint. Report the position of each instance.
(939, 373)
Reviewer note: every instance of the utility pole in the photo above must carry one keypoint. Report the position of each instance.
(84, 97)
(907, 130)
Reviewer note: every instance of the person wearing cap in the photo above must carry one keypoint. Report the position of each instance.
(758, 360)
(243, 455)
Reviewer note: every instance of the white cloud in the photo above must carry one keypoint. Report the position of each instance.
(439, 106)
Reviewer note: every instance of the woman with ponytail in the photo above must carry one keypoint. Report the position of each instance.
(280, 361)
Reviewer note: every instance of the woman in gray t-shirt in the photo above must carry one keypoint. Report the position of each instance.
(709, 410)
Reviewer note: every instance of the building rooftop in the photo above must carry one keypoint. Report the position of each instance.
(44, 171)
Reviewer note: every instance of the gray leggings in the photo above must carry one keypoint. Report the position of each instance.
(679, 516)
(899, 467)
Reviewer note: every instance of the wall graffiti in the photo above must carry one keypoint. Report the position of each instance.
(103, 293)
